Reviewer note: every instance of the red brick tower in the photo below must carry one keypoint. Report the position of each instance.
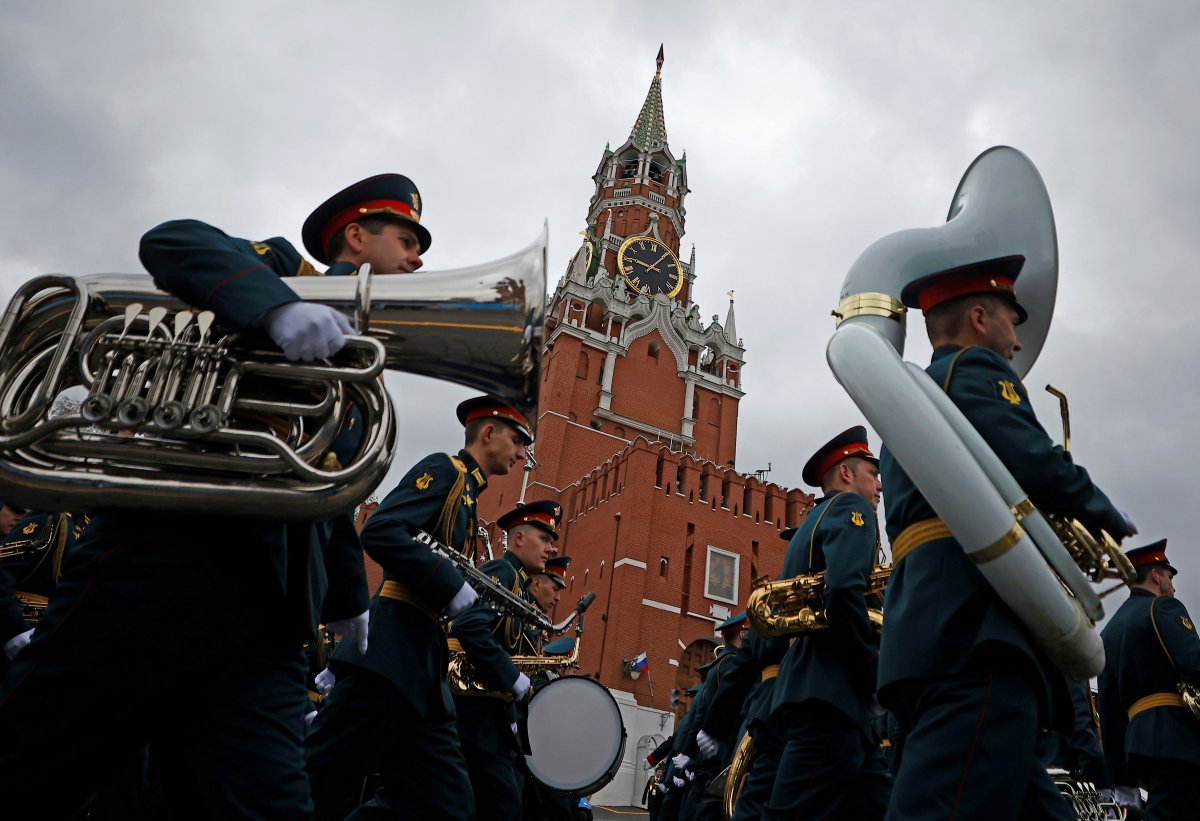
(637, 433)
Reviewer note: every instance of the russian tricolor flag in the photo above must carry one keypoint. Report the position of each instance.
(640, 663)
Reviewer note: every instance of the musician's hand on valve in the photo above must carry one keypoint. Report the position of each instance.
(307, 330)
(14, 645)
(325, 681)
(353, 630)
(521, 688)
(464, 598)
(707, 744)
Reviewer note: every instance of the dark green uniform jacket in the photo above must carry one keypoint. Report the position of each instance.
(240, 280)
(939, 607)
(1150, 644)
(835, 666)
(407, 644)
(739, 697)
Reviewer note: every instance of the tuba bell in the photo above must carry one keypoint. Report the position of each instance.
(1000, 208)
(181, 414)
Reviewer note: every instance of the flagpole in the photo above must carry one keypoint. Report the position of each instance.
(650, 681)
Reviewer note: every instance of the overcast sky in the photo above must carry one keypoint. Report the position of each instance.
(811, 130)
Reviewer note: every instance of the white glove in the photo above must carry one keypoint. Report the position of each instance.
(646, 765)
(14, 645)
(354, 629)
(678, 781)
(325, 681)
(307, 330)
(521, 687)
(464, 598)
(691, 776)
(681, 761)
(513, 727)
(308, 717)
(707, 744)
(1129, 798)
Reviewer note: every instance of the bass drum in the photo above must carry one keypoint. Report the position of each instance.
(576, 735)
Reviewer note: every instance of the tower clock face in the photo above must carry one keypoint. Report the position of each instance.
(647, 263)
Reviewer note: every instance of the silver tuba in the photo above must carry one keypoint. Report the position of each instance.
(183, 415)
(1000, 208)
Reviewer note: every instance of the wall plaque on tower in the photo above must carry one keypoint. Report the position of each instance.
(721, 575)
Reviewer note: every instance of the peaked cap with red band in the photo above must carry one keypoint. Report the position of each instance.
(1151, 554)
(485, 407)
(545, 514)
(386, 195)
(556, 568)
(992, 276)
(848, 443)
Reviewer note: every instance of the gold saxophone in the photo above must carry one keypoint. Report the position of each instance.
(465, 681)
(1098, 556)
(790, 606)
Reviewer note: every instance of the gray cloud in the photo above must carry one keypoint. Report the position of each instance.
(811, 131)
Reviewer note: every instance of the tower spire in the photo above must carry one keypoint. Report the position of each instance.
(730, 325)
(650, 130)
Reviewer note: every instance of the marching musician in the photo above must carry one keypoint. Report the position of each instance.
(1151, 738)
(831, 766)
(390, 710)
(489, 726)
(749, 680)
(541, 803)
(546, 587)
(674, 780)
(705, 762)
(958, 668)
(158, 610)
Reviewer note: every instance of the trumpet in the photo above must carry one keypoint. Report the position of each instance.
(790, 606)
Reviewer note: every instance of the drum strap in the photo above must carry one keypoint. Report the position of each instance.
(395, 590)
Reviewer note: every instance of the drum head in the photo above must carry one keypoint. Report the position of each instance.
(576, 735)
